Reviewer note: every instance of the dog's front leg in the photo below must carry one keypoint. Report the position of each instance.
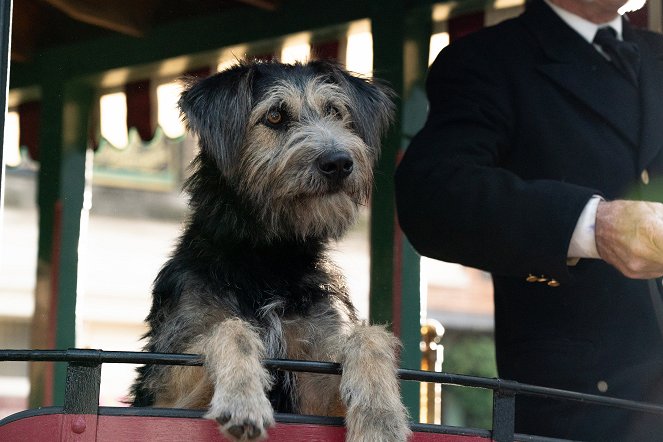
(369, 387)
(233, 358)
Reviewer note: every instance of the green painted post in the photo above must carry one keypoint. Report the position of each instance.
(418, 29)
(63, 143)
(75, 119)
(48, 194)
(387, 29)
(400, 50)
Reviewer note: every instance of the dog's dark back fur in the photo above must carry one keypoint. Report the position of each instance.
(224, 250)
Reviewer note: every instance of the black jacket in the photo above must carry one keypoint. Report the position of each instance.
(527, 121)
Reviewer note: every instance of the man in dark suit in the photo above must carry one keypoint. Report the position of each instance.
(540, 163)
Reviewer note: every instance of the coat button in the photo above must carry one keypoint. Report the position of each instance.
(644, 177)
(553, 283)
(531, 278)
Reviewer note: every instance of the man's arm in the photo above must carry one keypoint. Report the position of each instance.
(455, 200)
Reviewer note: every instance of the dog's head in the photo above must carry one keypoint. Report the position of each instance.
(297, 143)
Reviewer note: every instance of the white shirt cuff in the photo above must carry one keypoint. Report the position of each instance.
(583, 241)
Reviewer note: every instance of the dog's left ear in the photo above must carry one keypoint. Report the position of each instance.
(373, 109)
(216, 110)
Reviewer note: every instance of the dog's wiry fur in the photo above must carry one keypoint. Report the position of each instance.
(286, 160)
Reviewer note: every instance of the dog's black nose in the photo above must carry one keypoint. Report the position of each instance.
(335, 165)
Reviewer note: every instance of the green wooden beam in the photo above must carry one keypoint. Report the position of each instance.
(78, 106)
(192, 36)
(394, 295)
(63, 143)
(48, 194)
(201, 37)
(401, 39)
(387, 27)
(418, 25)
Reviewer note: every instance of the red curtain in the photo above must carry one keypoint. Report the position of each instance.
(139, 108)
(465, 24)
(327, 50)
(29, 115)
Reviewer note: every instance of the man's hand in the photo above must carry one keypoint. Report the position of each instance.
(629, 236)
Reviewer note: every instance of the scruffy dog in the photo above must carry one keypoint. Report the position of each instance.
(286, 159)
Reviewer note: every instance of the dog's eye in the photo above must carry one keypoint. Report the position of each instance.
(274, 117)
(334, 111)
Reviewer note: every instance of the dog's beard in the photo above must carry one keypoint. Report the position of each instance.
(323, 216)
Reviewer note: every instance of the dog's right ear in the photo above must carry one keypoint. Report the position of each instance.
(216, 110)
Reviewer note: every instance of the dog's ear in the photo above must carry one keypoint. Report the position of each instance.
(373, 109)
(216, 109)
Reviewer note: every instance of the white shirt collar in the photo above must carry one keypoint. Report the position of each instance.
(584, 27)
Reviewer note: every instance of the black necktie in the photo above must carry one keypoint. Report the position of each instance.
(623, 54)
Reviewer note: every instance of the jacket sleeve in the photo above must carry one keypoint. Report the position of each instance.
(457, 201)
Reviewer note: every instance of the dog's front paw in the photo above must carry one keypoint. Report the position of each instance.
(370, 388)
(377, 425)
(242, 419)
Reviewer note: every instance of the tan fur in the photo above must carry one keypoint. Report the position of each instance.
(188, 387)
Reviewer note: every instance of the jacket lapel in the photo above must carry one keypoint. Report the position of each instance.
(575, 65)
(651, 85)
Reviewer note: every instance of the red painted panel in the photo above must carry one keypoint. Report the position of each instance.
(81, 428)
(147, 429)
(37, 428)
